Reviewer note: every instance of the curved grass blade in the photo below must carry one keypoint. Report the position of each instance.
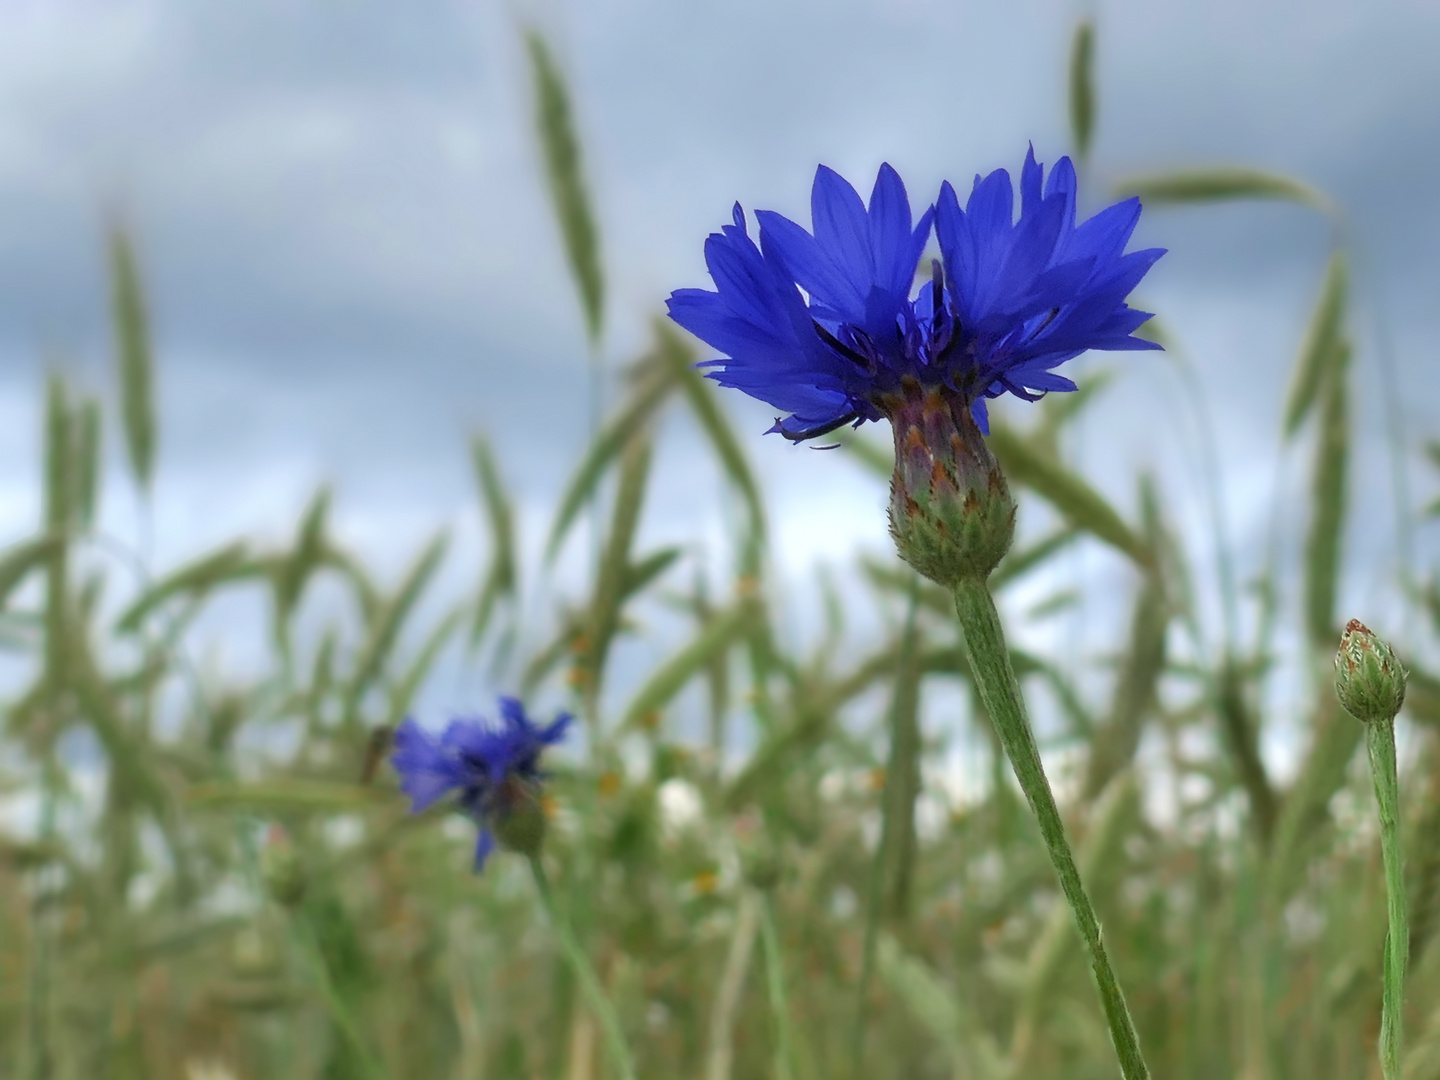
(680, 359)
(1080, 503)
(654, 384)
(671, 677)
(555, 125)
(1322, 351)
(133, 357)
(23, 559)
(501, 577)
(615, 562)
(293, 572)
(385, 627)
(1082, 87)
(196, 578)
(1222, 184)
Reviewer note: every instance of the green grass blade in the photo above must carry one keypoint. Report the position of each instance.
(639, 574)
(133, 357)
(1081, 504)
(20, 561)
(1082, 87)
(670, 678)
(615, 562)
(231, 563)
(1220, 185)
(654, 385)
(555, 124)
(502, 574)
(700, 396)
(1323, 349)
(384, 628)
(1328, 502)
(293, 572)
(85, 424)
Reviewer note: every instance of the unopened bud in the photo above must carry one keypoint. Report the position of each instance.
(1369, 678)
(951, 513)
(280, 867)
(518, 818)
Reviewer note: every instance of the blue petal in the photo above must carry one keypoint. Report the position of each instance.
(427, 772)
(484, 845)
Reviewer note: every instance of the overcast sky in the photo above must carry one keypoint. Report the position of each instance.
(352, 263)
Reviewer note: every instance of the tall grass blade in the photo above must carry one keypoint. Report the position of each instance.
(680, 360)
(653, 385)
(555, 124)
(1082, 87)
(384, 628)
(670, 678)
(231, 563)
(1327, 511)
(615, 561)
(1324, 348)
(502, 575)
(133, 357)
(1081, 504)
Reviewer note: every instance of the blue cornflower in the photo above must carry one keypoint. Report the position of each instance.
(1007, 302)
(823, 326)
(494, 768)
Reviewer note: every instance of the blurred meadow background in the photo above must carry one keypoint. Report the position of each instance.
(332, 391)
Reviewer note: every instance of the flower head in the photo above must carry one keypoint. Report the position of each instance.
(823, 326)
(495, 769)
(1008, 301)
(1369, 678)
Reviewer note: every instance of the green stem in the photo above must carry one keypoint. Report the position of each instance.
(1000, 691)
(775, 983)
(339, 1011)
(585, 975)
(1380, 740)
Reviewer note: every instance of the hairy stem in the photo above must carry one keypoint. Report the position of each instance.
(1000, 691)
(1380, 740)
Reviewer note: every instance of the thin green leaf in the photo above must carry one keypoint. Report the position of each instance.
(85, 432)
(501, 577)
(196, 578)
(1082, 87)
(671, 677)
(1081, 504)
(285, 794)
(700, 396)
(640, 574)
(555, 125)
(1327, 510)
(1221, 184)
(133, 357)
(403, 692)
(293, 572)
(653, 386)
(385, 627)
(1322, 349)
(615, 559)
(21, 560)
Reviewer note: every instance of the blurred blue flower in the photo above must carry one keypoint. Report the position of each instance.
(1008, 301)
(494, 768)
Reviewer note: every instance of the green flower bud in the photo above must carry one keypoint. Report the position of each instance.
(281, 871)
(518, 819)
(951, 513)
(1369, 678)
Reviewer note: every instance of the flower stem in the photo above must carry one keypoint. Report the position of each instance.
(1000, 691)
(1380, 741)
(585, 975)
(370, 1063)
